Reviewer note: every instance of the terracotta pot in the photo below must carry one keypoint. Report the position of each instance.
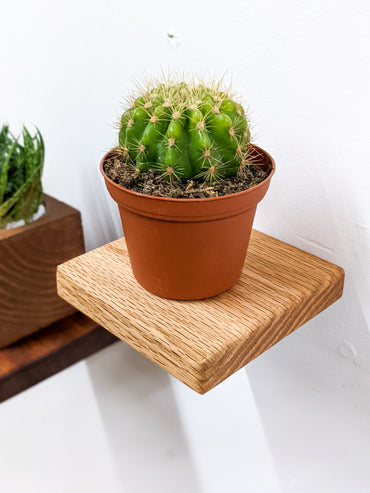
(188, 249)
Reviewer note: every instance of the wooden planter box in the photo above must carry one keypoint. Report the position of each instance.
(29, 256)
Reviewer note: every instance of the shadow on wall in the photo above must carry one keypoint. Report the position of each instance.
(139, 413)
(314, 405)
(312, 389)
(102, 223)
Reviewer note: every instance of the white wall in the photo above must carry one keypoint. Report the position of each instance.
(298, 418)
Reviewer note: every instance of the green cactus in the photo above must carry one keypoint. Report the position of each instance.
(185, 131)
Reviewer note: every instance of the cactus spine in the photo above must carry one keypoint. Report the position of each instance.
(185, 131)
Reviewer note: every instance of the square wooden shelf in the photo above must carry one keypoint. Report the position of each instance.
(203, 342)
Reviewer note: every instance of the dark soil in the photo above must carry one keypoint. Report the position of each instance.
(151, 183)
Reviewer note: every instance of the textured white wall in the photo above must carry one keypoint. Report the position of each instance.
(298, 419)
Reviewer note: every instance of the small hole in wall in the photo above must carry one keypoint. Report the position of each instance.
(173, 39)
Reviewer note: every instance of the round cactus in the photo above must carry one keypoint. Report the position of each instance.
(185, 131)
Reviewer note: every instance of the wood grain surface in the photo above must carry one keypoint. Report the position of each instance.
(49, 351)
(203, 342)
(29, 256)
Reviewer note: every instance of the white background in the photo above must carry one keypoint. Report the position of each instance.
(298, 418)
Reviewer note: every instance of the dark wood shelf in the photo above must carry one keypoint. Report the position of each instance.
(40, 355)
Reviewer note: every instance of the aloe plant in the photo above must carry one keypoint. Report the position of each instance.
(185, 131)
(20, 175)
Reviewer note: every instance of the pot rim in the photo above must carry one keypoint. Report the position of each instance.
(190, 200)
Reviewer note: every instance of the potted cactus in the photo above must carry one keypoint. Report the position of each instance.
(187, 181)
(37, 233)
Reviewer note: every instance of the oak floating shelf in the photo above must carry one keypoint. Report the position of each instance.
(203, 342)
(40, 355)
